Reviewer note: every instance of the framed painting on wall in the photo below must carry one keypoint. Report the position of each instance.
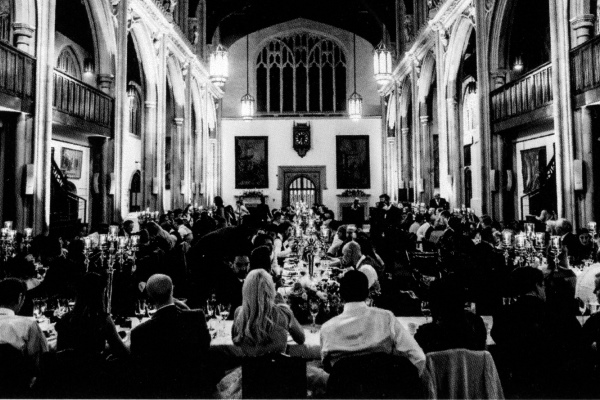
(533, 166)
(353, 168)
(251, 162)
(71, 162)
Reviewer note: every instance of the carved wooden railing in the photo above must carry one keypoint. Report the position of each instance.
(17, 72)
(585, 66)
(528, 93)
(80, 100)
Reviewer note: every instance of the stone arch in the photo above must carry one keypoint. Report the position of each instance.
(175, 77)
(405, 102)
(103, 33)
(145, 51)
(456, 49)
(426, 79)
(499, 35)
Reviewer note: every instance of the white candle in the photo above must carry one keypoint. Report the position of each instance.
(102, 239)
(87, 242)
(8, 225)
(28, 232)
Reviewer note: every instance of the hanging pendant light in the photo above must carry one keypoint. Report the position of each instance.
(382, 64)
(518, 66)
(248, 103)
(219, 65)
(355, 100)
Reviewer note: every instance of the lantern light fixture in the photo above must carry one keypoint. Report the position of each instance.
(355, 100)
(219, 66)
(88, 66)
(518, 66)
(382, 64)
(248, 103)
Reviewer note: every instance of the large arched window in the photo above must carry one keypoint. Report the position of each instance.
(5, 20)
(67, 63)
(301, 190)
(135, 109)
(135, 192)
(302, 72)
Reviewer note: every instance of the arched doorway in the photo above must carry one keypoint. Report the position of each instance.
(135, 192)
(302, 190)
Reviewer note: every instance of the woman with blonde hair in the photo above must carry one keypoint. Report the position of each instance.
(260, 327)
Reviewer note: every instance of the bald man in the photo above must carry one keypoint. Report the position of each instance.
(171, 348)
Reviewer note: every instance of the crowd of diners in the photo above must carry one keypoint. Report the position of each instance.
(234, 255)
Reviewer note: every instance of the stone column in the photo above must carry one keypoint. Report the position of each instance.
(427, 159)
(176, 162)
(161, 103)
(406, 173)
(121, 111)
(563, 116)
(23, 156)
(23, 35)
(587, 149)
(149, 160)
(454, 152)
(43, 115)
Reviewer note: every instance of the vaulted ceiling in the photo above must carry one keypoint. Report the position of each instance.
(237, 18)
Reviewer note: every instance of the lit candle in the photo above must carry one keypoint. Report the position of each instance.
(592, 227)
(520, 241)
(123, 241)
(8, 225)
(11, 234)
(529, 229)
(156, 214)
(102, 239)
(469, 211)
(114, 230)
(148, 210)
(135, 240)
(87, 242)
(540, 239)
(556, 242)
(4, 232)
(28, 232)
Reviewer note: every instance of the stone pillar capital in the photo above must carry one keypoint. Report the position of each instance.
(582, 21)
(105, 81)
(178, 121)
(405, 131)
(424, 119)
(150, 104)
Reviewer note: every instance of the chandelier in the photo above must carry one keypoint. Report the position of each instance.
(355, 100)
(219, 65)
(382, 64)
(247, 99)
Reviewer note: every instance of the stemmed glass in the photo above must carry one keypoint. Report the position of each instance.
(582, 308)
(37, 309)
(223, 310)
(141, 309)
(425, 310)
(151, 308)
(313, 307)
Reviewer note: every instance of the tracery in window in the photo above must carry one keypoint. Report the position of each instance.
(67, 63)
(302, 72)
(5, 20)
(135, 110)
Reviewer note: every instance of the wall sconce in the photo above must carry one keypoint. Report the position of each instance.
(518, 66)
(88, 66)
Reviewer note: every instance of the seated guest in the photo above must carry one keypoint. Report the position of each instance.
(184, 232)
(284, 241)
(570, 242)
(369, 256)
(229, 290)
(170, 349)
(419, 220)
(260, 258)
(540, 349)
(588, 246)
(88, 328)
(438, 202)
(453, 327)
(261, 327)
(263, 239)
(361, 329)
(160, 237)
(338, 242)
(22, 333)
(127, 228)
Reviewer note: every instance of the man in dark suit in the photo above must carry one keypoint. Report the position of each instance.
(438, 202)
(387, 231)
(170, 349)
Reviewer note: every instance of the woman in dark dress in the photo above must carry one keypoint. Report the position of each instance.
(88, 327)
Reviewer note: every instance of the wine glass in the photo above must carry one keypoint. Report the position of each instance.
(314, 310)
(425, 310)
(582, 308)
(141, 309)
(37, 309)
(151, 309)
(223, 310)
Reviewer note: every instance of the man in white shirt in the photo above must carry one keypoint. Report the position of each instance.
(361, 329)
(23, 333)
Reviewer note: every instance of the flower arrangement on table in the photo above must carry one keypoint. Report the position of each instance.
(324, 294)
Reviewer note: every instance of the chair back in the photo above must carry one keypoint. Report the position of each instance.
(15, 372)
(462, 374)
(274, 376)
(426, 263)
(374, 376)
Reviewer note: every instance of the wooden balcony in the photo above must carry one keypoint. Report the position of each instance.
(17, 78)
(92, 108)
(529, 93)
(585, 72)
